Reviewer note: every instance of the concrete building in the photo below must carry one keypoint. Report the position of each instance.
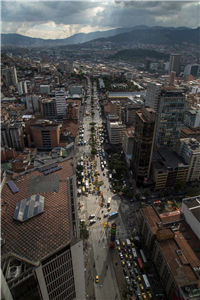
(172, 77)
(170, 112)
(45, 135)
(153, 95)
(22, 88)
(190, 133)
(16, 135)
(129, 76)
(41, 252)
(191, 118)
(166, 237)
(60, 103)
(32, 102)
(45, 89)
(174, 63)
(75, 89)
(48, 108)
(143, 144)
(128, 144)
(130, 114)
(115, 130)
(5, 135)
(191, 69)
(71, 67)
(11, 76)
(189, 150)
(168, 168)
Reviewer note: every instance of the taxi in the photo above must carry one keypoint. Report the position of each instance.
(131, 239)
(109, 208)
(149, 295)
(86, 194)
(119, 248)
(139, 278)
(123, 263)
(142, 288)
(126, 256)
(97, 279)
(123, 244)
(130, 257)
(90, 191)
(135, 264)
(144, 296)
(132, 245)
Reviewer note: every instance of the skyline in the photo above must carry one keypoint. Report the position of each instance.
(59, 20)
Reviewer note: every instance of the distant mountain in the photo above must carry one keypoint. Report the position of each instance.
(141, 33)
(158, 36)
(131, 54)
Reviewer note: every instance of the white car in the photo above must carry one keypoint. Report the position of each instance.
(92, 221)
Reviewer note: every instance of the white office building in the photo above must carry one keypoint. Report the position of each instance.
(116, 132)
(60, 103)
(153, 95)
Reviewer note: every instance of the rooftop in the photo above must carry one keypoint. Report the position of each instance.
(45, 233)
(152, 218)
(167, 159)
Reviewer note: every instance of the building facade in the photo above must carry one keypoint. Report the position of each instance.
(16, 135)
(115, 130)
(189, 150)
(153, 95)
(60, 103)
(174, 63)
(46, 135)
(191, 118)
(11, 76)
(143, 144)
(48, 108)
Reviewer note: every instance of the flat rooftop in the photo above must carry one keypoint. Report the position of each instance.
(151, 217)
(36, 238)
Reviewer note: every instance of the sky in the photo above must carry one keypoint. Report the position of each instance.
(61, 19)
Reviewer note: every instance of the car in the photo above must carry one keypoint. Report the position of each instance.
(123, 263)
(110, 186)
(91, 217)
(106, 215)
(123, 244)
(144, 296)
(134, 283)
(117, 243)
(97, 279)
(135, 264)
(127, 280)
(136, 271)
(97, 155)
(132, 274)
(132, 245)
(114, 191)
(125, 272)
(142, 288)
(149, 295)
(131, 239)
(109, 208)
(90, 190)
(92, 222)
(139, 278)
(130, 257)
(120, 255)
(104, 174)
(128, 264)
(86, 194)
(126, 256)
(125, 251)
(119, 249)
(129, 251)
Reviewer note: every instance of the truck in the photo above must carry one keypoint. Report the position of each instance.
(86, 186)
(128, 243)
(108, 203)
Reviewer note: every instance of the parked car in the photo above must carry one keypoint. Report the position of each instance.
(128, 264)
(123, 263)
(121, 255)
(127, 280)
(125, 272)
(132, 274)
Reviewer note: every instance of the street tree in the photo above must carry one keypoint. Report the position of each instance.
(84, 232)
(146, 192)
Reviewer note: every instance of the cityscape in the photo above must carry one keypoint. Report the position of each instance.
(100, 150)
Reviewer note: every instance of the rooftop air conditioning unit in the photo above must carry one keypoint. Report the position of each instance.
(14, 271)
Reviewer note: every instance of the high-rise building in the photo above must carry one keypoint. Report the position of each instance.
(60, 103)
(115, 130)
(143, 144)
(174, 63)
(189, 150)
(16, 135)
(192, 118)
(22, 87)
(32, 102)
(71, 67)
(153, 95)
(172, 77)
(147, 64)
(191, 70)
(48, 108)
(11, 76)
(5, 135)
(168, 102)
(41, 252)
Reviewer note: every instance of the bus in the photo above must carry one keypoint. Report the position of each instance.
(140, 263)
(143, 256)
(146, 282)
(134, 252)
(113, 215)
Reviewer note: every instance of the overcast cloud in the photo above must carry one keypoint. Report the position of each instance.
(65, 18)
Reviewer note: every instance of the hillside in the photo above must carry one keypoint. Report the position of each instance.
(130, 54)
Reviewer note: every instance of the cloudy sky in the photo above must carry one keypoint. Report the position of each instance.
(49, 19)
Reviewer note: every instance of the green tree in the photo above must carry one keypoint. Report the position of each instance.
(179, 185)
(93, 151)
(117, 188)
(137, 196)
(126, 189)
(92, 123)
(84, 232)
(92, 129)
(146, 192)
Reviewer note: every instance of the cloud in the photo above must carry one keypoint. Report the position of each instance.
(64, 18)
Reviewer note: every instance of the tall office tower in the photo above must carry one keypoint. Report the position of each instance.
(170, 110)
(153, 95)
(16, 135)
(191, 70)
(172, 77)
(143, 144)
(22, 88)
(60, 103)
(71, 67)
(11, 76)
(174, 63)
(147, 64)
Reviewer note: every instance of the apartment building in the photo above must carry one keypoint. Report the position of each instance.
(128, 144)
(16, 131)
(191, 118)
(115, 130)
(5, 136)
(60, 103)
(174, 63)
(11, 76)
(189, 150)
(153, 95)
(143, 144)
(130, 114)
(22, 88)
(41, 252)
(48, 108)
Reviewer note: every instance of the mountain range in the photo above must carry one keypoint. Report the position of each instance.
(141, 34)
